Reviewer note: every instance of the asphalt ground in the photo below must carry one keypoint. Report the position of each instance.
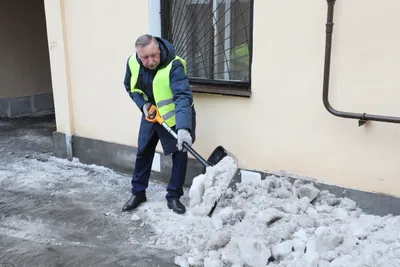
(55, 212)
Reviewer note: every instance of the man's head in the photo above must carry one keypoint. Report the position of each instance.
(148, 51)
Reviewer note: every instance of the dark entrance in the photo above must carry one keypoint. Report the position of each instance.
(25, 79)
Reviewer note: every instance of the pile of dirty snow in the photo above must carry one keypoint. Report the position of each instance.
(271, 223)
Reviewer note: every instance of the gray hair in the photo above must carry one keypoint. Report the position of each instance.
(145, 40)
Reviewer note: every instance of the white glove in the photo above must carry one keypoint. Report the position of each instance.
(146, 108)
(184, 136)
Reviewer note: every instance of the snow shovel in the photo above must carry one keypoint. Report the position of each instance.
(216, 156)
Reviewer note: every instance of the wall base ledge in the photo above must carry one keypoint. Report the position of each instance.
(121, 158)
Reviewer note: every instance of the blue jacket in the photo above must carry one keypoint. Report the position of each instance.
(179, 83)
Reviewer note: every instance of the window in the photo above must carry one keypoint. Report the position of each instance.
(215, 39)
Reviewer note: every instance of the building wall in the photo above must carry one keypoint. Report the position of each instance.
(100, 37)
(299, 134)
(24, 55)
(284, 125)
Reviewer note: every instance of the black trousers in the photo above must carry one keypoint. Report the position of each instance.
(142, 169)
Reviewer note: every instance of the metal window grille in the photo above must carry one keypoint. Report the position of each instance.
(213, 36)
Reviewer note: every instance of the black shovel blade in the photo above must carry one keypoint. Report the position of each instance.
(217, 155)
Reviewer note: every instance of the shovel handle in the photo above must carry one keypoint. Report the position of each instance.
(204, 162)
(154, 116)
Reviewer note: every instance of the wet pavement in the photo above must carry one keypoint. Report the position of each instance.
(54, 212)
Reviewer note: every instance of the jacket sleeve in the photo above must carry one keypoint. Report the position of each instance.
(136, 97)
(183, 97)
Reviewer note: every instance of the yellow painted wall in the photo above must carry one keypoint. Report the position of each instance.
(100, 36)
(284, 125)
(24, 57)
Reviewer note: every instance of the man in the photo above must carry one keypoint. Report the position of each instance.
(156, 76)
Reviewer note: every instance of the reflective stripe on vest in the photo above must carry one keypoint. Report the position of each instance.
(161, 89)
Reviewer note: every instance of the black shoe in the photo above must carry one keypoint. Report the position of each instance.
(133, 202)
(176, 206)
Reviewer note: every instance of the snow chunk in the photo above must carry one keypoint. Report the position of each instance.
(340, 213)
(348, 204)
(219, 240)
(180, 261)
(282, 250)
(197, 190)
(304, 203)
(213, 260)
(135, 217)
(327, 239)
(209, 187)
(270, 216)
(254, 252)
(291, 207)
(309, 191)
(283, 193)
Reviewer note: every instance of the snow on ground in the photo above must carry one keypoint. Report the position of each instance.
(275, 223)
(269, 223)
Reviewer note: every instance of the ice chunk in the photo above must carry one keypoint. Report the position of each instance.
(327, 239)
(219, 240)
(254, 252)
(283, 193)
(281, 250)
(270, 215)
(181, 262)
(135, 217)
(196, 190)
(304, 203)
(208, 262)
(309, 191)
(209, 187)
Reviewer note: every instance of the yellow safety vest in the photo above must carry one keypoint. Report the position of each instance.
(161, 89)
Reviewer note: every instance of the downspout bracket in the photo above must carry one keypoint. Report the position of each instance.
(362, 121)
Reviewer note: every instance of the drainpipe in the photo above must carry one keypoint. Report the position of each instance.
(68, 144)
(362, 117)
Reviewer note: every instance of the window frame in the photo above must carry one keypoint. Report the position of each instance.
(231, 88)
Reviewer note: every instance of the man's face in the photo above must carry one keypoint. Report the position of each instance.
(149, 55)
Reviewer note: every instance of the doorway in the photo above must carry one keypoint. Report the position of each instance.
(25, 75)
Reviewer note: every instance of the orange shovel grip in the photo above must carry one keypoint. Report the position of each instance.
(154, 115)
